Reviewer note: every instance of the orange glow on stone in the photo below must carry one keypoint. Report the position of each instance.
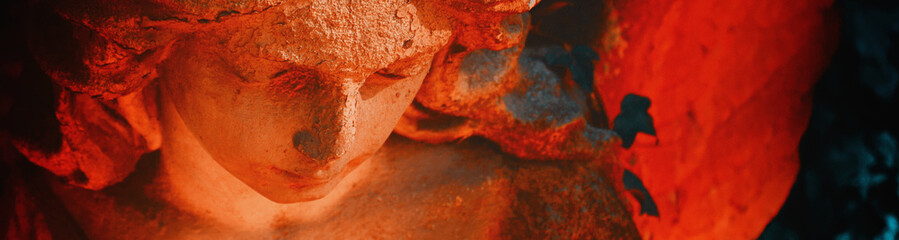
(278, 138)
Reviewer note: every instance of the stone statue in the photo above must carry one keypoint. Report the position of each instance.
(273, 119)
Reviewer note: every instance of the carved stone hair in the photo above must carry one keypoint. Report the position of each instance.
(102, 56)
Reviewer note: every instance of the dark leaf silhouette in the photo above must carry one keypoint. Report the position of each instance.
(579, 62)
(633, 118)
(634, 185)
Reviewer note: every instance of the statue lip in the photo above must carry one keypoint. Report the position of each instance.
(300, 181)
(307, 185)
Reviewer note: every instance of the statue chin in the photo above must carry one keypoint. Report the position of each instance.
(281, 186)
(297, 192)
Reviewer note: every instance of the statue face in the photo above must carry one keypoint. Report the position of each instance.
(292, 99)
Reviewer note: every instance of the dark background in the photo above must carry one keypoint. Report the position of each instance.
(847, 187)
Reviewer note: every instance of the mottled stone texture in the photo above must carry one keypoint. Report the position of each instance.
(109, 51)
(272, 118)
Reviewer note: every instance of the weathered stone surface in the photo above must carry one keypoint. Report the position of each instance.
(272, 117)
(101, 140)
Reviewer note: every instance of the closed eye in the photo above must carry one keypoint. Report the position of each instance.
(278, 74)
(291, 81)
(390, 75)
(380, 80)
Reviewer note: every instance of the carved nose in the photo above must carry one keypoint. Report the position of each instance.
(333, 127)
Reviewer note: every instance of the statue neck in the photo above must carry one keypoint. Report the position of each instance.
(197, 184)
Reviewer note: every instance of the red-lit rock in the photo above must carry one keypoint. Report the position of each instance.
(730, 88)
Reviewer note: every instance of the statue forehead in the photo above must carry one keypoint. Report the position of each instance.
(326, 33)
(331, 36)
(365, 35)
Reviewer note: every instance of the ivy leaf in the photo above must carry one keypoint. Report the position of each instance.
(558, 56)
(579, 62)
(582, 66)
(633, 118)
(634, 185)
